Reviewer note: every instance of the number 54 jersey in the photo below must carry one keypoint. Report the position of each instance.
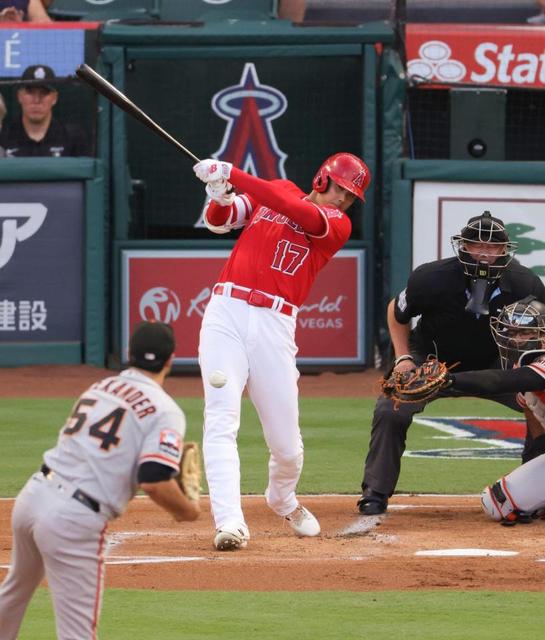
(115, 426)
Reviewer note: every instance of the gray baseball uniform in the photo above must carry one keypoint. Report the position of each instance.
(61, 515)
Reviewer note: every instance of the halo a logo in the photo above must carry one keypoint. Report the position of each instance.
(249, 141)
(161, 304)
(435, 63)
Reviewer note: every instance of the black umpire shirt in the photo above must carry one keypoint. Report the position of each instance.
(60, 140)
(438, 292)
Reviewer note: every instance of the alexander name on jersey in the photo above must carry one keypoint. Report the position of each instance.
(136, 399)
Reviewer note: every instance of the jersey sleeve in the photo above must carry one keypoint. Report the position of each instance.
(337, 231)
(282, 196)
(220, 219)
(411, 302)
(163, 443)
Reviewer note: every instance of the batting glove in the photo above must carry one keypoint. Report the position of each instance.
(211, 170)
(221, 192)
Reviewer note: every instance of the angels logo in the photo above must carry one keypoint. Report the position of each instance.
(249, 141)
(358, 180)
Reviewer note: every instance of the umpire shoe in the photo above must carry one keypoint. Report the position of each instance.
(232, 538)
(303, 522)
(372, 503)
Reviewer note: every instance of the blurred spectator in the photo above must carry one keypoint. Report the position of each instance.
(293, 10)
(540, 18)
(21, 10)
(3, 109)
(38, 133)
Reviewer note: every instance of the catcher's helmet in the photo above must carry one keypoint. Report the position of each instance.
(489, 230)
(519, 327)
(346, 170)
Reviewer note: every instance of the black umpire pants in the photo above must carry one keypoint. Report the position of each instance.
(389, 435)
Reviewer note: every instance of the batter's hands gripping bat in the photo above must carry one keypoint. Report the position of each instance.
(100, 84)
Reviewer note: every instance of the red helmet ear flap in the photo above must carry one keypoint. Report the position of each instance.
(319, 183)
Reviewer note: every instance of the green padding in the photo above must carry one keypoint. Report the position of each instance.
(474, 171)
(402, 231)
(259, 32)
(19, 354)
(46, 169)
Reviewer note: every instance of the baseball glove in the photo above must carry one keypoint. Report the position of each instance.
(189, 477)
(417, 385)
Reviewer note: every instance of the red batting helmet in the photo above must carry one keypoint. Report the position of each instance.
(346, 170)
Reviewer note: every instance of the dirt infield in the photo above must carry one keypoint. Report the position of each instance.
(353, 553)
(69, 381)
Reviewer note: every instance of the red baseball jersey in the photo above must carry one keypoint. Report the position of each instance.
(274, 254)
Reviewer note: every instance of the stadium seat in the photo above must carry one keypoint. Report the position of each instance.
(115, 9)
(204, 10)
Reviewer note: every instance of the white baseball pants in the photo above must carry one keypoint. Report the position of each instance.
(254, 347)
(55, 535)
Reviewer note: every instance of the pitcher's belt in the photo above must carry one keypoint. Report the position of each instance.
(78, 494)
(255, 298)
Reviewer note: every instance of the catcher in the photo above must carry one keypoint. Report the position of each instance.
(124, 432)
(519, 332)
(452, 301)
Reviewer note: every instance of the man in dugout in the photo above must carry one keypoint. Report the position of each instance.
(37, 133)
(455, 298)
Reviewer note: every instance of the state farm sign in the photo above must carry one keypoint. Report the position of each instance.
(478, 54)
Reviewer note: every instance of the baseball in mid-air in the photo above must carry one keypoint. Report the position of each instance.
(217, 379)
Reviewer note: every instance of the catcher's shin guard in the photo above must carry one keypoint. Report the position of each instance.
(498, 504)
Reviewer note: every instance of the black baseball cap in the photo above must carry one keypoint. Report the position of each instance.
(151, 345)
(40, 75)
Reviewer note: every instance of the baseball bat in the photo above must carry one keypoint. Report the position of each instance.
(100, 84)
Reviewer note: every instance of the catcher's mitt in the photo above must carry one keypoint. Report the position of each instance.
(417, 385)
(189, 477)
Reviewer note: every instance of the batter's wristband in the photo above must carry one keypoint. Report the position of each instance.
(402, 358)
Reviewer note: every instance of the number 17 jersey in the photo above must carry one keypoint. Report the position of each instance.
(275, 255)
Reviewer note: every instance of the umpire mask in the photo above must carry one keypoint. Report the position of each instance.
(484, 250)
(518, 328)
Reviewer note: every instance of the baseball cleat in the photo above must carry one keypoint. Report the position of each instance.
(231, 538)
(303, 522)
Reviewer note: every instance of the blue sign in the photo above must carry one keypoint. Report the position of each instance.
(61, 49)
(41, 261)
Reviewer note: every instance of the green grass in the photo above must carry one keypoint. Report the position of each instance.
(335, 432)
(200, 615)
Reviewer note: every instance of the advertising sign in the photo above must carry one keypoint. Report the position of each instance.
(60, 46)
(175, 286)
(441, 210)
(496, 55)
(41, 262)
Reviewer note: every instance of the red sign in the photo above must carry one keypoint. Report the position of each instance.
(175, 286)
(496, 55)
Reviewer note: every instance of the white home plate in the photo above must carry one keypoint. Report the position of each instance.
(474, 553)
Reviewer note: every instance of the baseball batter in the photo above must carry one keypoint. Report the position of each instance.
(123, 432)
(248, 329)
(519, 331)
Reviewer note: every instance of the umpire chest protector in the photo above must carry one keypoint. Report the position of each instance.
(438, 293)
